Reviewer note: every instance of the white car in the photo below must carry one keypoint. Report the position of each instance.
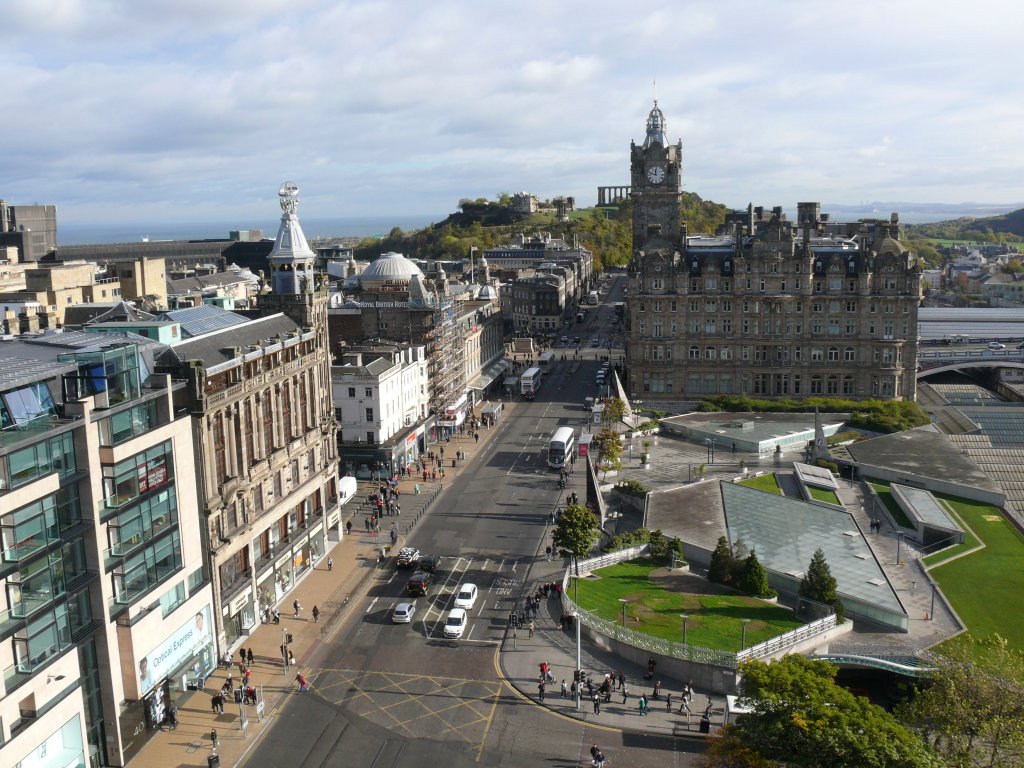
(466, 597)
(455, 624)
(996, 345)
(403, 613)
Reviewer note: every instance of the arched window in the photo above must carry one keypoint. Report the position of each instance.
(710, 353)
(849, 354)
(694, 352)
(833, 354)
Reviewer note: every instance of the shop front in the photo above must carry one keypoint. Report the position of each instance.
(296, 556)
(179, 663)
(451, 419)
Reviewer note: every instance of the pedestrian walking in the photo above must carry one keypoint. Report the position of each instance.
(303, 685)
(657, 690)
(316, 614)
(625, 694)
(366, 524)
(297, 608)
(172, 717)
(214, 741)
(540, 690)
(249, 658)
(622, 680)
(599, 760)
(643, 705)
(291, 658)
(565, 691)
(531, 628)
(668, 702)
(597, 705)
(573, 688)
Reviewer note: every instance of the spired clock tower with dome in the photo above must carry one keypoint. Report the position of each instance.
(656, 183)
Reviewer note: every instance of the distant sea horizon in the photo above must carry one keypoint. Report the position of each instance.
(371, 226)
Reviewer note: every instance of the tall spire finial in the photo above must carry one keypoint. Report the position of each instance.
(654, 89)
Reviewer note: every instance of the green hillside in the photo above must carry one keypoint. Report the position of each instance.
(1008, 227)
(486, 224)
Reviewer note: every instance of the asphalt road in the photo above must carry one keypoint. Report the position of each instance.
(402, 696)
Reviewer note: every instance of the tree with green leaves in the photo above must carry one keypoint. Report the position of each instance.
(971, 709)
(753, 580)
(576, 532)
(614, 410)
(801, 719)
(819, 584)
(720, 569)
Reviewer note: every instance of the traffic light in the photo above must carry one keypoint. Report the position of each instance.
(289, 637)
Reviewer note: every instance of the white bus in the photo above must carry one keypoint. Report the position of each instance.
(560, 447)
(594, 297)
(546, 359)
(529, 382)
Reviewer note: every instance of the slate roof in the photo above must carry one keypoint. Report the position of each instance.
(195, 321)
(217, 346)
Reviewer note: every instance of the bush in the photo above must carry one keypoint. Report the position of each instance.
(660, 550)
(876, 415)
(831, 466)
(631, 488)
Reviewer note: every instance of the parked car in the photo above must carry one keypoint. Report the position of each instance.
(407, 557)
(403, 613)
(455, 624)
(595, 342)
(466, 597)
(419, 583)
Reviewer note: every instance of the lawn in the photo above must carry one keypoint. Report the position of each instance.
(882, 489)
(763, 483)
(715, 621)
(985, 586)
(970, 542)
(824, 494)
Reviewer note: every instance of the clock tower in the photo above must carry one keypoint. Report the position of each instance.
(656, 182)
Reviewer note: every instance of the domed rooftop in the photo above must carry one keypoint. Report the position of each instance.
(390, 266)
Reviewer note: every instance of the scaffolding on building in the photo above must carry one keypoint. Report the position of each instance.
(446, 350)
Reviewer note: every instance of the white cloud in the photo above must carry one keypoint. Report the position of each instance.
(390, 107)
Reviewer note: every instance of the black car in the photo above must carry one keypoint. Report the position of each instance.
(430, 563)
(419, 583)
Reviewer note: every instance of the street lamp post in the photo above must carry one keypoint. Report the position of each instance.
(931, 613)
(624, 602)
(743, 640)
(899, 540)
(684, 617)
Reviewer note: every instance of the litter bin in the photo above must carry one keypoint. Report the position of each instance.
(238, 695)
(213, 761)
(705, 725)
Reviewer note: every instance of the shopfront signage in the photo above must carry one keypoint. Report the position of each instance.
(239, 602)
(174, 651)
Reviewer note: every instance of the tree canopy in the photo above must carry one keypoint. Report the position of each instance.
(802, 719)
(576, 531)
(819, 584)
(971, 710)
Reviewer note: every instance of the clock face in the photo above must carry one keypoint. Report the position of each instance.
(655, 174)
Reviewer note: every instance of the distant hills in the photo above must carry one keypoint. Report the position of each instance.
(1007, 227)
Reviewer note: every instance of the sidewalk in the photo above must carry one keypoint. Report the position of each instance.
(521, 657)
(333, 592)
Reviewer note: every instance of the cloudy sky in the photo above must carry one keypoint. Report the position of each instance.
(192, 110)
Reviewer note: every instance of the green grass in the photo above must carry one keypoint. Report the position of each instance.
(969, 543)
(885, 495)
(714, 620)
(985, 586)
(824, 494)
(763, 483)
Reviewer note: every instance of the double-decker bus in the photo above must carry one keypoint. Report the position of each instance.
(560, 447)
(530, 381)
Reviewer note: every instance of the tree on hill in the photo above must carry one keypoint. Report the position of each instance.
(753, 580)
(819, 584)
(802, 719)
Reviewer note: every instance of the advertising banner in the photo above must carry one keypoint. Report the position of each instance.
(178, 648)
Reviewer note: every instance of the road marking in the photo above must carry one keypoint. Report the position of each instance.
(372, 602)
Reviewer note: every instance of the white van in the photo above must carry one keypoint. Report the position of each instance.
(588, 404)
(455, 624)
(466, 597)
